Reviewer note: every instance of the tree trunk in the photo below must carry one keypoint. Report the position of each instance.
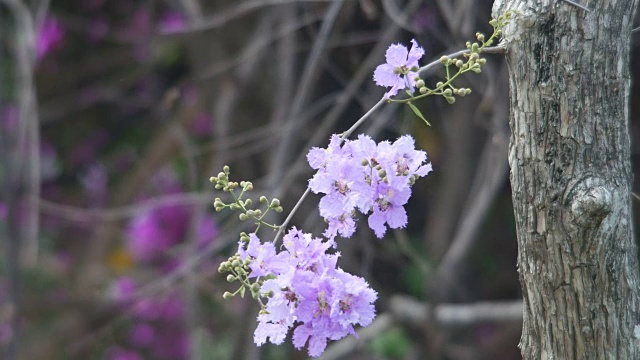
(571, 177)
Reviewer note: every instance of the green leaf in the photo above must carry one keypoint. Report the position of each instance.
(242, 292)
(418, 113)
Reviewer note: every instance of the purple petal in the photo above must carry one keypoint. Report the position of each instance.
(415, 54)
(384, 75)
(397, 55)
(396, 217)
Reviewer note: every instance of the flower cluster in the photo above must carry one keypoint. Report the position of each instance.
(305, 290)
(365, 176)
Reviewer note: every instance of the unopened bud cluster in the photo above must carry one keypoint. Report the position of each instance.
(223, 183)
(240, 271)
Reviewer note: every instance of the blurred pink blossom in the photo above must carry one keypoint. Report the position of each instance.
(50, 36)
(172, 21)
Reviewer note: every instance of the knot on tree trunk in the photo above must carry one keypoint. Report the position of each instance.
(590, 201)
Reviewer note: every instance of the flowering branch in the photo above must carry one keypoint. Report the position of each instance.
(302, 286)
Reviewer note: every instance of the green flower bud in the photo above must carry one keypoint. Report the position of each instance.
(459, 63)
(480, 36)
(225, 169)
(450, 100)
(227, 295)
(482, 61)
(382, 173)
(213, 179)
(248, 186)
(439, 84)
(263, 199)
(255, 287)
(275, 203)
(474, 47)
(231, 278)
(364, 162)
(236, 263)
(420, 83)
(242, 216)
(447, 92)
(423, 90)
(248, 202)
(444, 60)
(279, 209)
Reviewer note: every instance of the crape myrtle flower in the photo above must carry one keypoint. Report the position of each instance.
(401, 68)
(363, 176)
(311, 294)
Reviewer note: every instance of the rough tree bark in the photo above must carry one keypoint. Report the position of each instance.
(571, 177)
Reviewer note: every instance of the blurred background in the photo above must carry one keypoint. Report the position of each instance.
(114, 114)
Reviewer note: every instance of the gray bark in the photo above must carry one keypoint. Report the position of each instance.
(571, 177)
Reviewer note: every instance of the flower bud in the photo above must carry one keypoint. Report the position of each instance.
(231, 278)
(263, 199)
(459, 63)
(423, 90)
(275, 203)
(450, 100)
(213, 179)
(480, 36)
(444, 59)
(225, 169)
(447, 92)
(227, 295)
(420, 83)
(242, 216)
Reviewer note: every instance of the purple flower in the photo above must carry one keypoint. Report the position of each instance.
(50, 36)
(123, 289)
(400, 70)
(389, 209)
(142, 335)
(264, 260)
(172, 21)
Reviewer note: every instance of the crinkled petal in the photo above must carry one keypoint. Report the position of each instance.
(396, 217)
(397, 55)
(384, 75)
(300, 336)
(376, 223)
(317, 344)
(415, 54)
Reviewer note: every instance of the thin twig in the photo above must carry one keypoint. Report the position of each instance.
(280, 158)
(577, 5)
